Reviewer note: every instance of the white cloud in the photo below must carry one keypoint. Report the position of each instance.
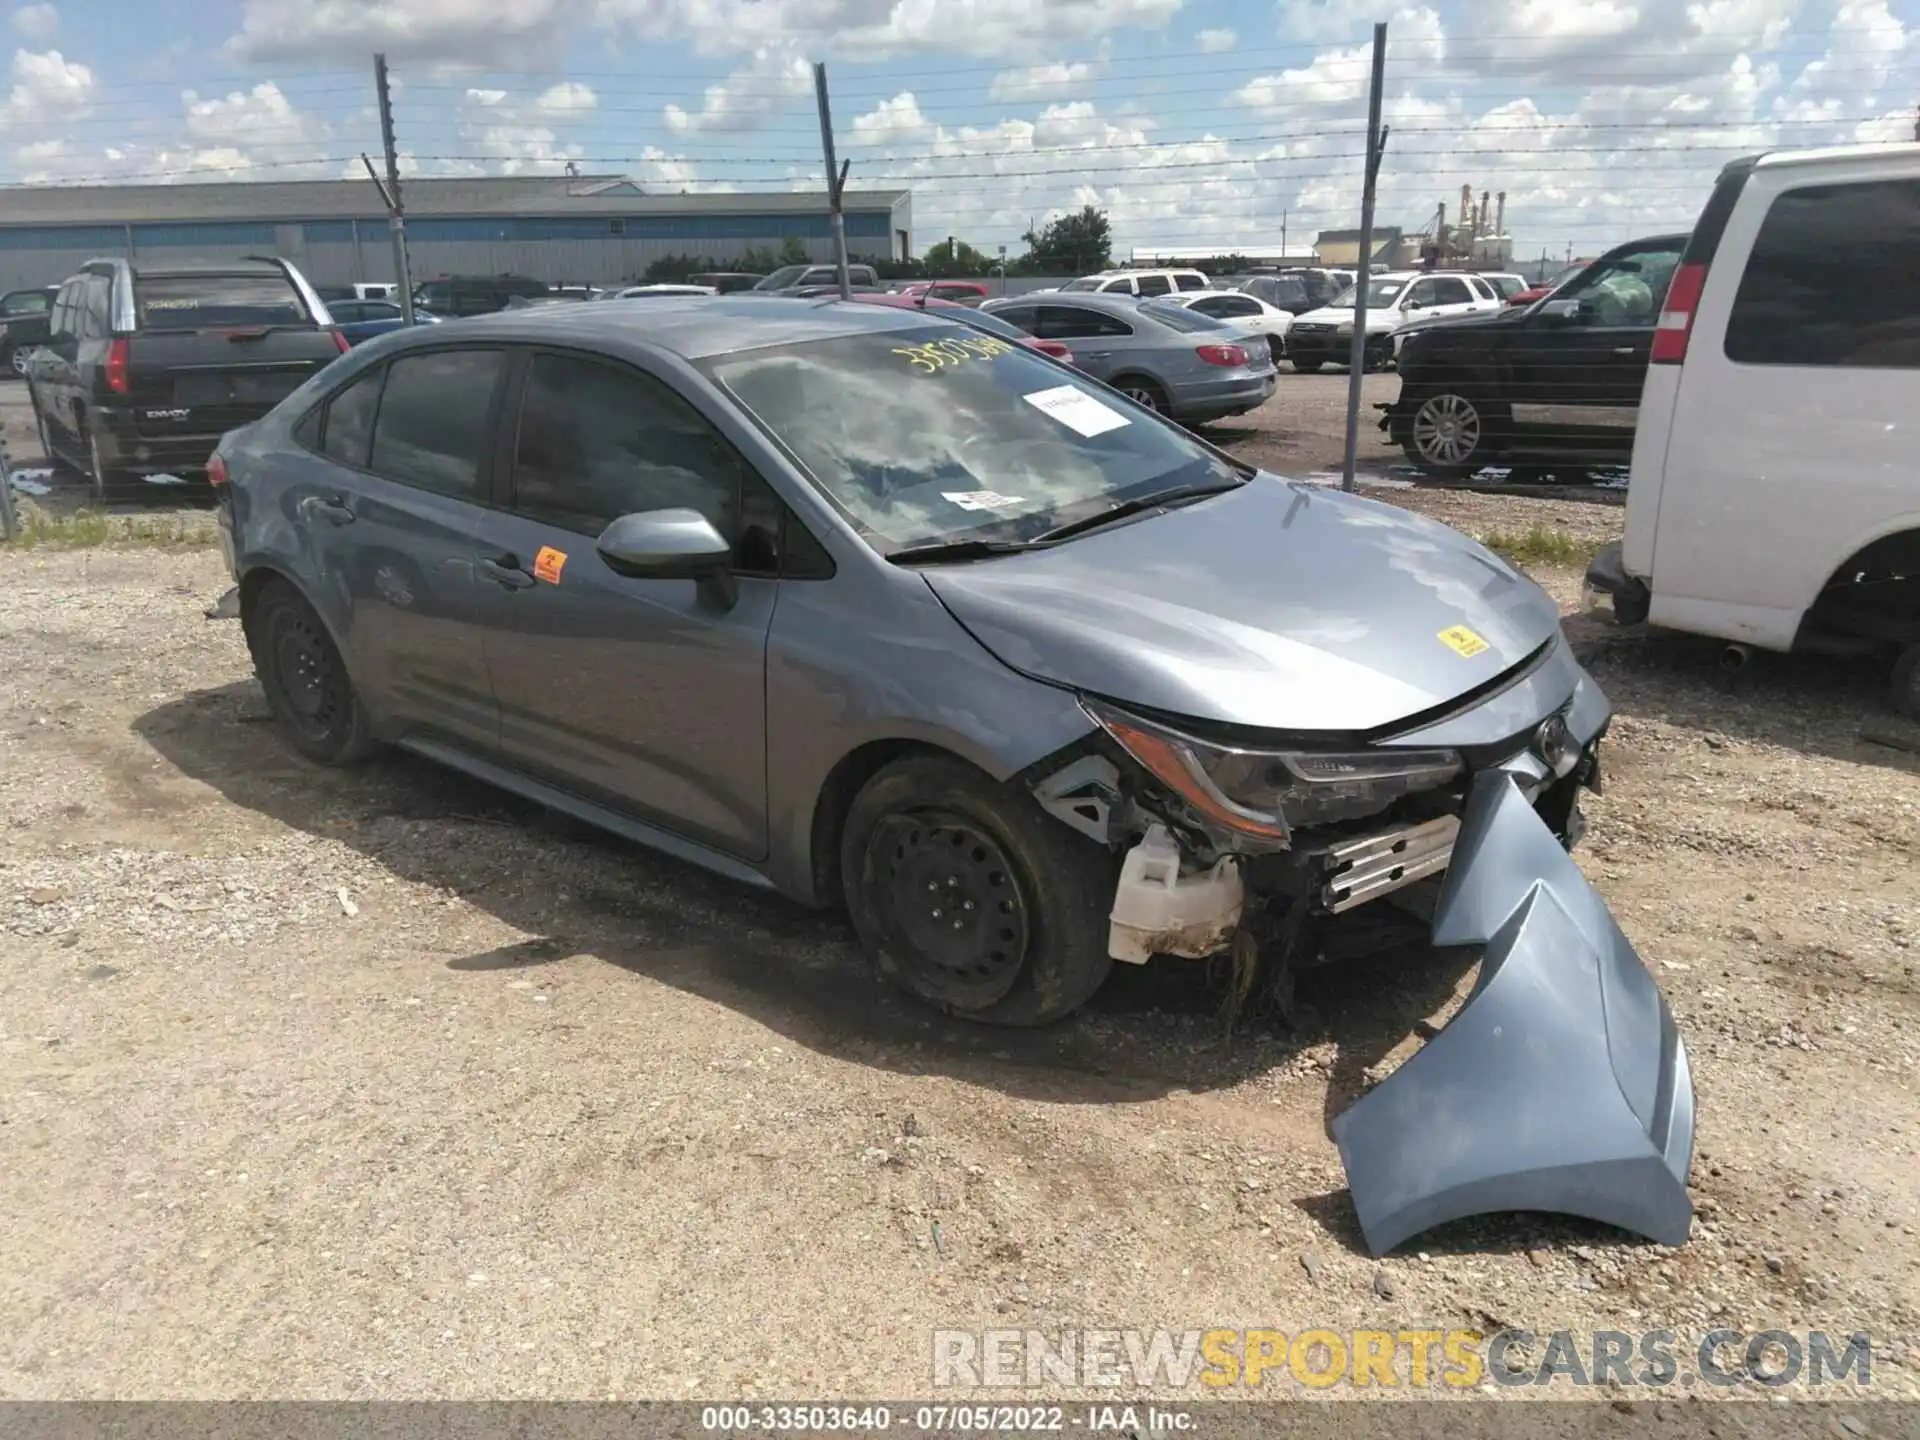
(774, 79)
(507, 34)
(486, 97)
(870, 30)
(1034, 83)
(36, 22)
(47, 89)
(1215, 42)
(245, 129)
(568, 98)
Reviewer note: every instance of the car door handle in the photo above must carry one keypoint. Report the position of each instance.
(506, 573)
(1625, 349)
(333, 511)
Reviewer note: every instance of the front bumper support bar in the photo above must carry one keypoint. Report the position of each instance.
(1561, 1085)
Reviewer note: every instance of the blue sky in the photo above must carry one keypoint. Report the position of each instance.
(1194, 122)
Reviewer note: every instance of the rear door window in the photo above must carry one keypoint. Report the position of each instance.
(1127, 286)
(202, 302)
(1451, 292)
(1179, 317)
(1022, 317)
(1070, 322)
(1832, 280)
(1190, 280)
(436, 418)
(348, 424)
(1155, 285)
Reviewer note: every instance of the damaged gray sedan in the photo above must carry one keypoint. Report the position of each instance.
(872, 609)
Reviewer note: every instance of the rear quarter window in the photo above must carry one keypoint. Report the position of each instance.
(199, 302)
(1832, 280)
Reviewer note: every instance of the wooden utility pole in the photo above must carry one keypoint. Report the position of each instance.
(836, 184)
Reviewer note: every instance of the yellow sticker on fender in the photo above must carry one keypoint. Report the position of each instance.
(548, 564)
(1462, 641)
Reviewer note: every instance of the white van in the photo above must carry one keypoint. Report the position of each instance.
(1774, 499)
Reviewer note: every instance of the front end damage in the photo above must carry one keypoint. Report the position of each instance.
(1561, 1084)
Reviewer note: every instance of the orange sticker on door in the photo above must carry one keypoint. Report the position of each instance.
(548, 564)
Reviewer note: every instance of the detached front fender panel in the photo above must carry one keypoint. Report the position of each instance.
(1561, 1085)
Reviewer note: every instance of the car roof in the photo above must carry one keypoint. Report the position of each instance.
(693, 327)
(1091, 299)
(1836, 154)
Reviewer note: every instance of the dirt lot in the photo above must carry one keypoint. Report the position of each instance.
(378, 1084)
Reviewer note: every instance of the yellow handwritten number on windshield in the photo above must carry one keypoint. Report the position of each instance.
(939, 354)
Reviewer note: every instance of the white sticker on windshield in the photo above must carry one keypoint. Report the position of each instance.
(1076, 409)
(981, 499)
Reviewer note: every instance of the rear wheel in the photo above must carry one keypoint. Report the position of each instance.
(101, 480)
(1905, 685)
(305, 679)
(13, 358)
(971, 898)
(1145, 393)
(1277, 348)
(1450, 434)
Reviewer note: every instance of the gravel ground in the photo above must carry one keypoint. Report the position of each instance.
(379, 1084)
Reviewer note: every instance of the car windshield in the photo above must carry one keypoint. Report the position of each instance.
(198, 302)
(934, 434)
(786, 275)
(1085, 282)
(1381, 295)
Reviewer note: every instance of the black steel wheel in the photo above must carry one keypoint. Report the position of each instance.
(946, 891)
(972, 898)
(305, 679)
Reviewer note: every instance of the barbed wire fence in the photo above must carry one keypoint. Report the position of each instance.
(1560, 151)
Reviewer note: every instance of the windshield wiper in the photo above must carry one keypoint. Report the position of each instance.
(1132, 507)
(940, 550)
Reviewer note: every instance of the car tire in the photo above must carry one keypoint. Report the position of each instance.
(47, 452)
(1277, 349)
(1449, 433)
(13, 361)
(1307, 367)
(929, 833)
(301, 669)
(1144, 393)
(1904, 687)
(102, 482)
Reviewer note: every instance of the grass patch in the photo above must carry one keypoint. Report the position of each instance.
(90, 529)
(1539, 546)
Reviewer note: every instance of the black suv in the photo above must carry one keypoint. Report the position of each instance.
(146, 367)
(1556, 382)
(453, 295)
(23, 326)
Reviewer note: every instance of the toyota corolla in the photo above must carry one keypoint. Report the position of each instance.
(885, 613)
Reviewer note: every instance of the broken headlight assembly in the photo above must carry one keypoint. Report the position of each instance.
(1264, 795)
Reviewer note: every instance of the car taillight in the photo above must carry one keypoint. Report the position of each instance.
(1054, 348)
(1222, 354)
(117, 365)
(216, 471)
(340, 340)
(1676, 317)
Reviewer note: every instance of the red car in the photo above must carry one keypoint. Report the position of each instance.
(1540, 292)
(967, 315)
(962, 292)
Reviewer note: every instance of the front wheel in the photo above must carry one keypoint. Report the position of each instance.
(1450, 435)
(306, 681)
(973, 899)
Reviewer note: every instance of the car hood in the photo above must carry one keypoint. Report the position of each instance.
(1279, 606)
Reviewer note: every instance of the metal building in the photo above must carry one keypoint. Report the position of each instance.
(585, 229)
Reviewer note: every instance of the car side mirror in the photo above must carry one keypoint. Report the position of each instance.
(670, 545)
(1562, 312)
(1414, 305)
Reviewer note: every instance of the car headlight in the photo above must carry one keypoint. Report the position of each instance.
(1345, 327)
(1268, 794)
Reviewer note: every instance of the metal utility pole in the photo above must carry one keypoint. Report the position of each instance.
(390, 192)
(1357, 358)
(836, 183)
